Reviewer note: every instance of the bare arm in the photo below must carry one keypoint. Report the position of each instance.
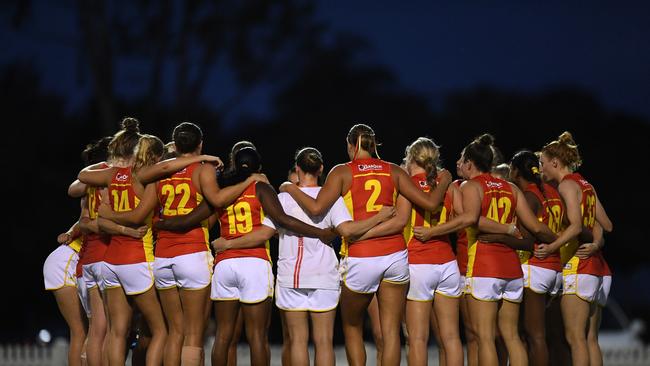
(601, 216)
(328, 194)
(586, 250)
(428, 201)
(352, 230)
(222, 197)
(77, 189)
(168, 167)
(471, 213)
(572, 196)
(530, 221)
(526, 242)
(250, 240)
(272, 207)
(92, 176)
(395, 224)
(136, 216)
(110, 227)
(186, 222)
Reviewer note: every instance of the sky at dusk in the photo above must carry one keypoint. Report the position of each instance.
(431, 47)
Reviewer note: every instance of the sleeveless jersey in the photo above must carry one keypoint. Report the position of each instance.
(495, 260)
(594, 265)
(372, 187)
(436, 250)
(125, 249)
(245, 215)
(461, 243)
(551, 213)
(178, 196)
(95, 245)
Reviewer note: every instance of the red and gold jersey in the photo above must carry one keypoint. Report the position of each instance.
(495, 260)
(551, 213)
(461, 243)
(240, 218)
(372, 187)
(437, 250)
(125, 249)
(95, 245)
(178, 196)
(594, 265)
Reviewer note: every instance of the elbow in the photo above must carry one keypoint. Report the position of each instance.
(608, 228)
(467, 220)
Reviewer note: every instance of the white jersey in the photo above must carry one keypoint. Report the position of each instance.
(308, 262)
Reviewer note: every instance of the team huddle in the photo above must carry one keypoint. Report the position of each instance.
(510, 252)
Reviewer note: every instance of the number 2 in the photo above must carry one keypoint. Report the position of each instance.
(375, 186)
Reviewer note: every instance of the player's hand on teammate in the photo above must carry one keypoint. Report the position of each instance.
(104, 210)
(328, 235)
(586, 250)
(444, 177)
(542, 251)
(260, 177)
(284, 186)
(220, 244)
(386, 213)
(422, 233)
(489, 238)
(64, 238)
(214, 160)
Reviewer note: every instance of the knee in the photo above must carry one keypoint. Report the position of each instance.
(323, 338)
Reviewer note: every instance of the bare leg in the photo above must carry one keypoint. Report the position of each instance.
(120, 313)
(392, 298)
(171, 305)
(256, 322)
(534, 324)
(575, 313)
(353, 308)
(286, 346)
(484, 314)
(470, 333)
(559, 351)
(232, 347)
(446, 313)
(595, 356)
(375, 325)
(297, 323)
(417, 323)
(97, 328)
(72, 311)
(322, 334)
(193, 324)
(148, 304)
(226, 313)
(508, 318)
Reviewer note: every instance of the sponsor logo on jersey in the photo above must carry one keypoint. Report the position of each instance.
(494, 184)
(364, 167)
(121, 177)
(423, 183)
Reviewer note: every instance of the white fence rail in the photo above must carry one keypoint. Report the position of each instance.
(56, 355)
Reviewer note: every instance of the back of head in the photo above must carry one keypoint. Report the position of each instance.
(363, 137)
(170, 151)
(238, 146)
(96, 152)
(480, 152)
(148, 151)
(246, 161)
(187, 137)
(527, 165)
(309, 160)
(565, 150)
(501, 171)
(125, 140)
(426, 154)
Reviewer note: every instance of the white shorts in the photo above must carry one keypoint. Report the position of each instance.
(463, 285)
(558, 285)
(428, 279)
(59, 268)
(82, 291)
(603, 291)
(540, 280)
(306, 299)
(585, 286)
(92, 275)
(190, 271)
(247, 279)
(495, 289)
(133, 278)
(364, 274)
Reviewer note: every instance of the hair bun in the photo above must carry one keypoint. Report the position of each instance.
(131, 124)
(486, 139)
(566, 138)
